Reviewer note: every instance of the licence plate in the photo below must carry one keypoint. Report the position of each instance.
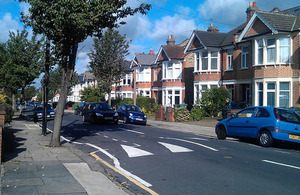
(294, 137)
(108, 118)
(139, 119)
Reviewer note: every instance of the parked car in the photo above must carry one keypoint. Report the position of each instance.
(99, 112)
(263, 123)
(297, 110)
(233, 107)
(39, 111)
(132, 114)
(79, 108)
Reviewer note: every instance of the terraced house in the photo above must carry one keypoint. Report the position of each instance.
(258, 62)
(173, 82)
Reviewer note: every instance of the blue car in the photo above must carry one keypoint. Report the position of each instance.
(263, 123)
(39, 112)
(132, 114)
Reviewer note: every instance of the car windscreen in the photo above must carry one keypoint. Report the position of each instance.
(133, 108)
(103, 107)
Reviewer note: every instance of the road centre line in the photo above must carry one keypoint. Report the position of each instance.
(281, 164)
(133, 131)
(187, 141)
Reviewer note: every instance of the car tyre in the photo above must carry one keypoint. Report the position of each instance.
(265, 139)
(221, 132)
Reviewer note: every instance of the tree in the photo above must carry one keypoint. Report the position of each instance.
(91, 94)
(110, 51)
(29, 92)
(21, 62)
(67, 23)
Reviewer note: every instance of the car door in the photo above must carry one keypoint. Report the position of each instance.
(241, 123)
(262, 118)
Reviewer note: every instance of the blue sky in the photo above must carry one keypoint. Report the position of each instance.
(167, 17)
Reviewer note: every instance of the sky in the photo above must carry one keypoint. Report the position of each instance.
(167, 17)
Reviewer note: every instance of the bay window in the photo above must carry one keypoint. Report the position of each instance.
(126, 79)
(207, 60)
(143, 74)
(171, 70)
(171, 97)
(271, 94)
(284, 94)
(201, 87)
(272, 50)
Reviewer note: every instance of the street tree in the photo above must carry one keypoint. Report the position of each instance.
(29, 92)
(66, 24)
(109, 52)
(21, 62)
(92, 94)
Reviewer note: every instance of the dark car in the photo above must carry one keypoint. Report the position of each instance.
(79, 108)
(233, 107)
(39, 110)
(263, 123)
(98, 112)
(132, 114)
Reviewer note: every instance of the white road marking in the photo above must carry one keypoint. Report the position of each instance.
(124, 141)
(198, 138)
(105, 136)
(115, 160)
(202, 145)
(31, 126)
(135, 152)
(136, 145)
(133, 131)
(175, 148)
(281, 164)
(115, 140)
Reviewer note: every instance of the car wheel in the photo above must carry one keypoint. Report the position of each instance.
(221, 132)
(265, 139)
(83, 118)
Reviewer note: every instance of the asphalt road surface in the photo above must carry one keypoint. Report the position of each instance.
(167, 162)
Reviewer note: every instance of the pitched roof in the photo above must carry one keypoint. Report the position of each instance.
(89, 75)
(145, 59)
(174, 52)
(230, 35)
(210, 39)
(126, 65)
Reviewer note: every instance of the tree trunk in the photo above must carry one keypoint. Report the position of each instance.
(109, 98)
(13, 102)
(68, 70)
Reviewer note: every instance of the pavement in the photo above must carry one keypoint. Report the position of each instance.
(35, 168)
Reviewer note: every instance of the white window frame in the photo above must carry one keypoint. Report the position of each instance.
(199, 86)
(199, 58)
(277, 46)
(245, 58)
(169, 70)
(143, 74)
(229, 59)
(169, 95)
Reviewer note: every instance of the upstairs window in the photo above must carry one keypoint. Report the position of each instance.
(143, 74)
(207, 61)
(172, 70)
(272, 51)
(245, 57)
(230, 59)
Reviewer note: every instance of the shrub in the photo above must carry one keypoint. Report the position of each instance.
(146, 103)
(196, 112)
(8, 108)
(181, 114)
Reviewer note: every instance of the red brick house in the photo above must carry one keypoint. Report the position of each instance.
(171, 83)
(258, 62)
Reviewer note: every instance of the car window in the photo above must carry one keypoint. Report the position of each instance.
(134, 108)
(102, 107)
(247, 113)
(262, 112)
(123, 107)
(287, 116)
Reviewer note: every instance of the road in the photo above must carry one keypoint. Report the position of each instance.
(168, 162)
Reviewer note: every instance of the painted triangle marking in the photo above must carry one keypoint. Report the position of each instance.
(135, 152)
(175, 148)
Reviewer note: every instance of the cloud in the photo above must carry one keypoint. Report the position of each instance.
(24, 7)
(175, 25)
(7, 23)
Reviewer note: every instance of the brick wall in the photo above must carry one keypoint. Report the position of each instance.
(2, 121)
(258, 27)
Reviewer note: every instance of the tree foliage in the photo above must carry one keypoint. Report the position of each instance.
(21, 61)
(109, 52)
(91, 94)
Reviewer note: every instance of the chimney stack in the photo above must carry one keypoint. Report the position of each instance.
(212, 28)
(251, 9)
(151, 52)
(171, 40)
